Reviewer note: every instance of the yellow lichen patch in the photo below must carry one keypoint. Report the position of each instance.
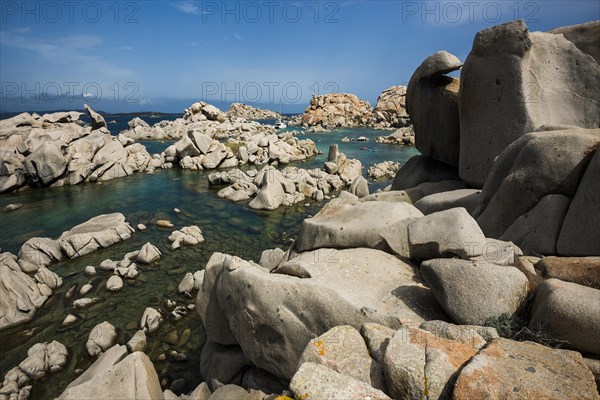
(320, 347)
(283, 398)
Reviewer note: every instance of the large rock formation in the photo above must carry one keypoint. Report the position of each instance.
(36, 151)
(432, 103)
(513, 82)
(337, 110)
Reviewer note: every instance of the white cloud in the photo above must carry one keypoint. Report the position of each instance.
(187, 7)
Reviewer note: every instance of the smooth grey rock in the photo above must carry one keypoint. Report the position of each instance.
(137, 342)
(151, 320)
(102, 337)
(271, 194)
(46, 164)
(49, 278)
(117, 376)
(148, 254)
(465, 198)
(536, 231)
(473, 292)
(568, 312)
(271, 258)
(564, 155)
(187, 284)
(99, 232)
(421, 169)
(39, 252)
(431, 92)
(20, 295)
(585, 36)
(376, 337)
(359, 187)
(509, 86)
(471, 335)
(360, 225)
(226, 364)
(98, 120)
(580, 231)
(114, 283)
(442, 234)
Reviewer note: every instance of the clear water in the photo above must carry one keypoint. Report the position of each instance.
(144, 198)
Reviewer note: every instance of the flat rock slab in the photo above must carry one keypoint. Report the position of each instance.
(347, 226)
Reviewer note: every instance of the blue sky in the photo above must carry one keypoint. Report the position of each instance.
(158, 55)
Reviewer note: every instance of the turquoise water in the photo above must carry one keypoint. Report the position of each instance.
(144, 198)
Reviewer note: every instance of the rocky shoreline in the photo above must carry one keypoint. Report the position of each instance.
(476, 276)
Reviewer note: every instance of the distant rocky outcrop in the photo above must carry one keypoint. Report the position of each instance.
(40, 151)
(390, 109)
(244, 111)
(198, 151)
(337, 110)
